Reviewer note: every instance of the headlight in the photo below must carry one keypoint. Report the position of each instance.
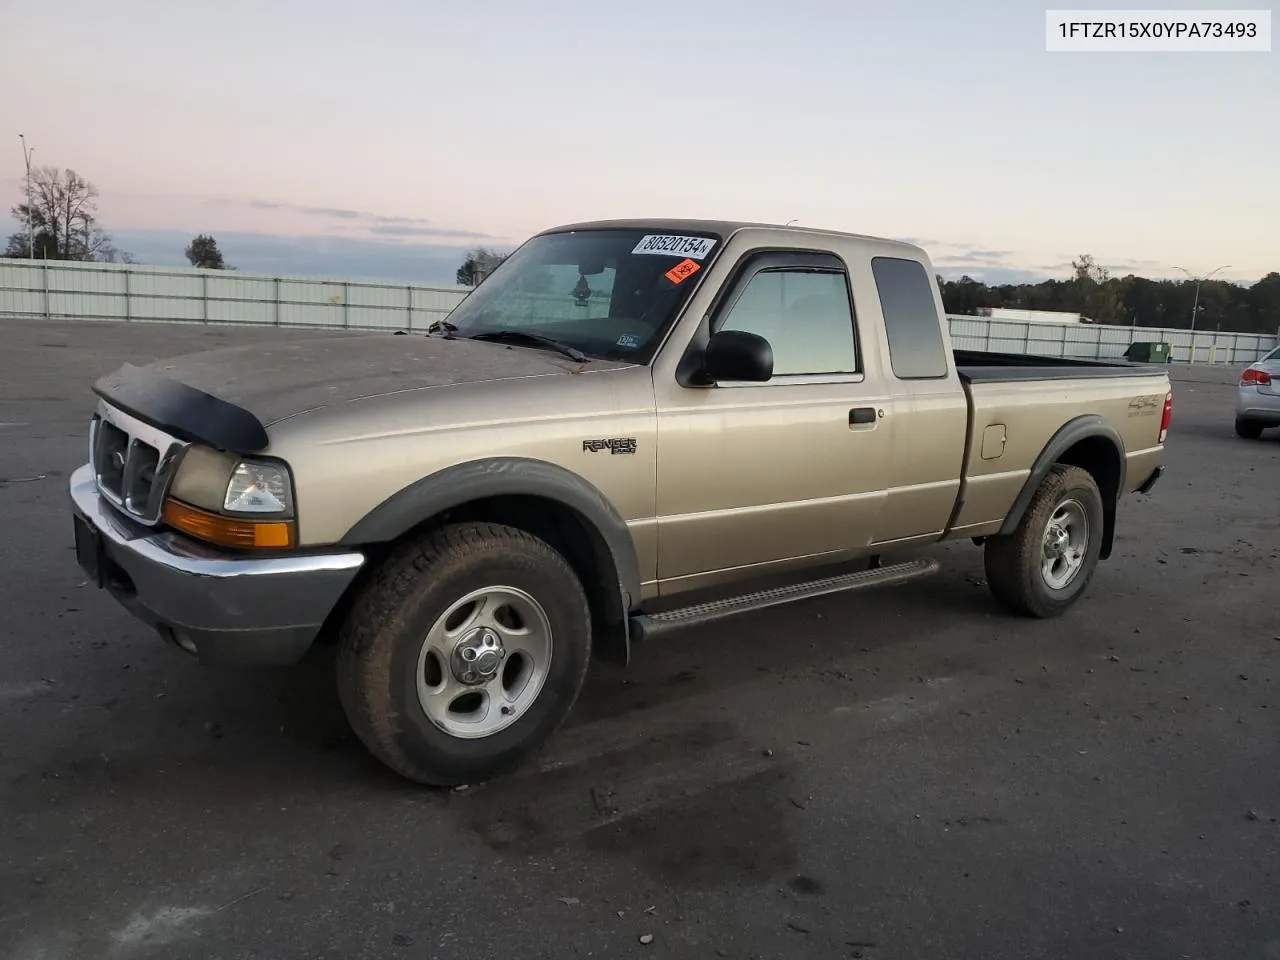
(260, 488)
(233, 501)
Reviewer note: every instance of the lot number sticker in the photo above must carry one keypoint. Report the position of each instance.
(670, 246)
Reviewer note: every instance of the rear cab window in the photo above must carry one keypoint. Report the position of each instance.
(917, 350)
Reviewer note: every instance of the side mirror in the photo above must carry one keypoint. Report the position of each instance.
(738, 355)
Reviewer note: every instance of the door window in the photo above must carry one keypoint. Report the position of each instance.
(806, 316)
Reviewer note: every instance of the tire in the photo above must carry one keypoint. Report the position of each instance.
(1248, 429)
(401, 666)
(1016, 563)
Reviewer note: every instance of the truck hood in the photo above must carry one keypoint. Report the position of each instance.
(279, 380)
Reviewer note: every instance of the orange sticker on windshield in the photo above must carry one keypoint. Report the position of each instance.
(683, 271)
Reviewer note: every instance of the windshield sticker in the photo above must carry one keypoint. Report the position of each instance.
(683, 271)
(629, 340)
(669, 246)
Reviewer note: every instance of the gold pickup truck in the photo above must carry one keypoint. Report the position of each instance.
(622, 414)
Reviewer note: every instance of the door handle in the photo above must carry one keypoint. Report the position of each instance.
(862, 415)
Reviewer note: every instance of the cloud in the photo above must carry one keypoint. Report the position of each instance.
(311, 211)
(959, 248)
(950, 256)
(1122, 264)
(1135, 266)
(991, 275)
(406, 230)
(964, 260)
(377, 223)
(380, 219)
(994, 256)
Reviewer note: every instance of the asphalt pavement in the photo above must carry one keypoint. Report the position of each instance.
(893, 775)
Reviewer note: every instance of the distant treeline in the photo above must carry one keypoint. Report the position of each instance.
(1130, 300)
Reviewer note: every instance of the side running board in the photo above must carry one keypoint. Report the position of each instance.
(652, 625)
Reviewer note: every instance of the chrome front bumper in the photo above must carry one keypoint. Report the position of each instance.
(223, 608)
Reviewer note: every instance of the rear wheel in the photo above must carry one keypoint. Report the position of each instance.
(1044, 566)
(464, 654)
(1249, 429)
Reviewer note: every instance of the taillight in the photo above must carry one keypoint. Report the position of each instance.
(1166, 418)
(1255, 378)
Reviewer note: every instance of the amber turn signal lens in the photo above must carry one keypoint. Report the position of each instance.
(227, 531)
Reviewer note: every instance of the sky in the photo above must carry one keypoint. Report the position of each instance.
(384, 138)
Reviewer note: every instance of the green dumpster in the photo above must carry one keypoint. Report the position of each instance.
(1148, 351)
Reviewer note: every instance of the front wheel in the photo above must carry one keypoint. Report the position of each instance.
(1248, 429)
(1044, 566)
(464, 653)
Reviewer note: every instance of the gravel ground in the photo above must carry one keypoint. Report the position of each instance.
(885, 775)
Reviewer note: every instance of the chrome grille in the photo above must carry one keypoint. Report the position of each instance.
(132, 461)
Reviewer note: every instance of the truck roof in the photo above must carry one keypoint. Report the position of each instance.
(725, 228)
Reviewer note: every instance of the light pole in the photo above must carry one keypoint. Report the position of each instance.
(1195, 306)
(26, 158)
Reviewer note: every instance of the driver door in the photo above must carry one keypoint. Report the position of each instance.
(757, 476)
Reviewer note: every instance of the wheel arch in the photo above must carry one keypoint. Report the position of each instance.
(545, 499)
(1092, 444)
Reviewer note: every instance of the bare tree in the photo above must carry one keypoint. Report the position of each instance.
(64, 218)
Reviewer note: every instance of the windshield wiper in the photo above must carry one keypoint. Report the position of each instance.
(438, 325)
(519, 336)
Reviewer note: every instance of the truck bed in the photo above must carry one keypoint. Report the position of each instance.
(1023, 409)
(978, 366)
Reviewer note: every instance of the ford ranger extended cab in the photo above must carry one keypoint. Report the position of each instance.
(623, 413)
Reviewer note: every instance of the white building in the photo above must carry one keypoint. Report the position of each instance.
(1032, 316)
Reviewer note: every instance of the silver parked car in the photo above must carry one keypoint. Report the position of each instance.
(1258, 397)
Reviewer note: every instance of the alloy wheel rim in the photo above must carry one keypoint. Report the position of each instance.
(484, 662)
(1065, 542)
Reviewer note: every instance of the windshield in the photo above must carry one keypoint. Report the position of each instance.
(611, 294)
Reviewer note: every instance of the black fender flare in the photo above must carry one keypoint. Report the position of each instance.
(1067, 436)
(463, 483)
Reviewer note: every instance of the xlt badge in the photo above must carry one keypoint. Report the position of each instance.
(614, 445)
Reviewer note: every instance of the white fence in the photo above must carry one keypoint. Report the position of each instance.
(1100, 341)
(128, 292)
